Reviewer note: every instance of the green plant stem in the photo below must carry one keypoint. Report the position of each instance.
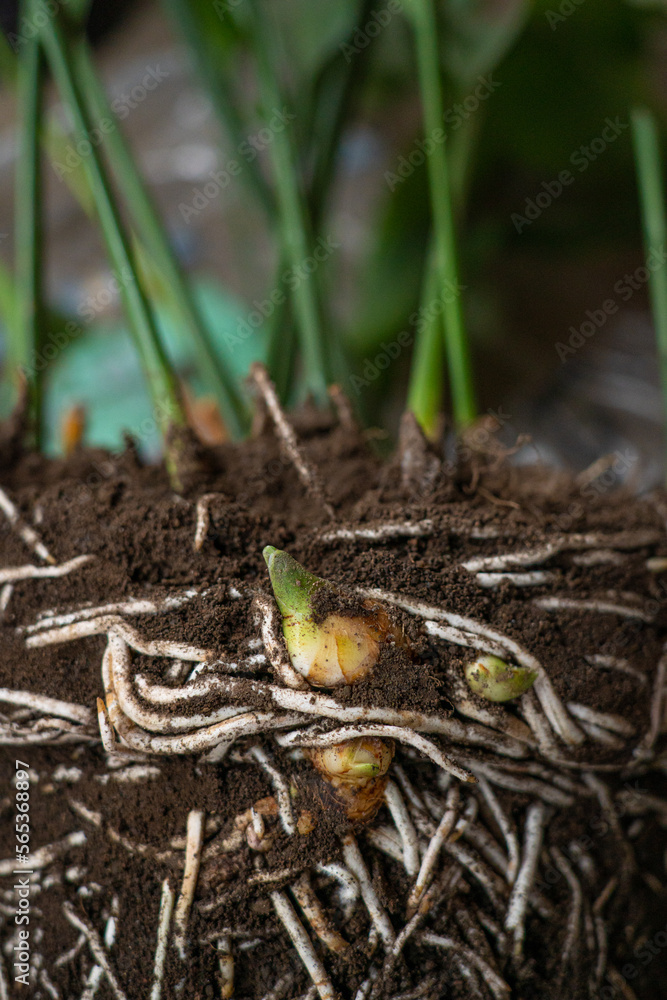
(160, 378)
(456, 343)
(292, 220)
(648, 162)
(426, 371)
(219, 91)
(29, 243)
(160, 257)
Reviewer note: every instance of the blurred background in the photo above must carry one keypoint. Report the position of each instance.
(538, 99)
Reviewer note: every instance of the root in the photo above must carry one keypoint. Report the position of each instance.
(551, 703)
(444, 829)
(303, 945)
(566, 543)
(307, 472)
(96, 948)
(26, 533)
(16, 573)
(314, 913)
(557, 603)
(404, 825)
(203, 518)
(164, 920)
(515, 917)
(193, 849)
(355, 862)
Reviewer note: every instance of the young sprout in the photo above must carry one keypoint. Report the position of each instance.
(357, 771)
(341, 649)
(493, 679)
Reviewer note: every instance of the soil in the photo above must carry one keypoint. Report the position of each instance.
(141, 533)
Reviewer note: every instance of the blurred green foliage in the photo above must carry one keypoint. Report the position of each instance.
(559, 69)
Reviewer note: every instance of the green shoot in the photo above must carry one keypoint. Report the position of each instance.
(26, 337)
(426, 371)
(456, 343)
(292, 218)
(160, 256)
(648, 164)
(161, 381)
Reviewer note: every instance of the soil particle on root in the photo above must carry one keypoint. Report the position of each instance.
(597, 838)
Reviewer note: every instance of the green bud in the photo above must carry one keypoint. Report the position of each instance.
(339, 650)
(293, 586)
(493, 679)
(355, 762)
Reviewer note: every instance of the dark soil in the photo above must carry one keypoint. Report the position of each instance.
(141, 535)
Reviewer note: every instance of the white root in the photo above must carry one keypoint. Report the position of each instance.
(204, 518)
(29, 536)
(48, 706)
(96, 948)
(614, 663)
(5, 597)
(487, 846)
(520, 783)
(536, 578)
(287, 916)
(605, 720)
(505, 826)
(133, 606)
(13, 574)
(565, 543)
(405, 827)
(539, 725)
(120, 666)
(280, 787)
(536, 818)
(493, 886)
(355, 862)
(398, 733)
(499, 988)
(69, 955)
(311, 703)
(557, 603)
(306, 471)
(658, 699)
(112, 623)
(314, 913)
(270, 623)
(384, 839)
(551, 703)
(348, 891)
(576, 906)
(164, 919)
(444, 829)
(193, 848)
(226, 967)
(380, 532)
(44, 856)
(202, 739)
